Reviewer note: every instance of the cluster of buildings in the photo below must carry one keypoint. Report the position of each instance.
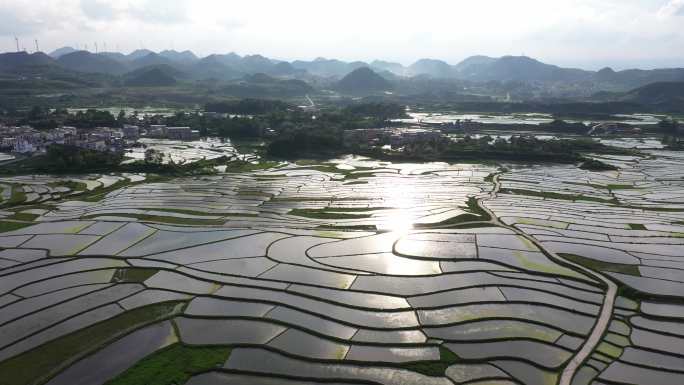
(611, 129)
(27, 140)
(394, 137)
(173, 133)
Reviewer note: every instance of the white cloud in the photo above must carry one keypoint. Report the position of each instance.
(15, 24)
(672, 8)
(160, 11)
(559, 31)
(147, 11)
(99, 9)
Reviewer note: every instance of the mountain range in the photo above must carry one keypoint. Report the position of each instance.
(523, 76)
(475, 68)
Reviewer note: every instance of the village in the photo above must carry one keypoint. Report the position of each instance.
(27, 140)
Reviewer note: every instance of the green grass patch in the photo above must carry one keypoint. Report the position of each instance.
(37, 206)
(356, 183)
(164, 219)
(100, 193)
(240, 166)
(621, 187)
(347, 228)
(548, 267)
(246, 146)
(43, 362)
(320, 199)
(310, 162)
(596, 186)
(602, 266)
(660, 209)
(473, 226)
(637, 226)
(133, 275)
(597, 165)
(357, 209)
(180, 211)
(475, 209)
(71, 185)
(242, 215)
(609, 350)
(358, 175)
(173, 365)
(326, 213)
(26, 217)
(451, 222)
(17, 197)
(617, 340)
(254, 193)
(434, 368)
(6, 226)
(554, 195)
(329, 167)
(476, 214)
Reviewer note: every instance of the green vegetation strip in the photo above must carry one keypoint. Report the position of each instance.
(553, 195)
(100, 193)
(177, 363)
(348, 228)
(593, 185)
(327, 213)
(173, 365)
(169, 220)
(180, 211)
(660, 209)
(25, 217)
(597, 165)
(333, 169)
(476, 214)
(133, 275)
(603, 266)
(17, 197)
(620, 187)
(637, 226)
(434, 368)
(359, 175)
(71, 185)
(239, 166)
(39, 364)
(6, 226)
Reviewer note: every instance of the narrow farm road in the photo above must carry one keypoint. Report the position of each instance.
(604, 318)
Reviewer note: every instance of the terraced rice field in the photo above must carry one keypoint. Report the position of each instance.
(185, 151)
(352, 272)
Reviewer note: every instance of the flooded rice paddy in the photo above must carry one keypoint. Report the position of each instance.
(355, 271)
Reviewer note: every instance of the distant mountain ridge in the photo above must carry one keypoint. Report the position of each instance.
(157, 76)
(61, 52)
(656, 93)
(17, 60)
(362, 81)
(84, 61)
(231, 66)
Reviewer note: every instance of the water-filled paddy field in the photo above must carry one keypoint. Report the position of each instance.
(348, 271)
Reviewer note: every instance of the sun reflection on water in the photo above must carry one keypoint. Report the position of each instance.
(401, 197)
(401, 222)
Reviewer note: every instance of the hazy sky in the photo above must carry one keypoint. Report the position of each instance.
(584, 33)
